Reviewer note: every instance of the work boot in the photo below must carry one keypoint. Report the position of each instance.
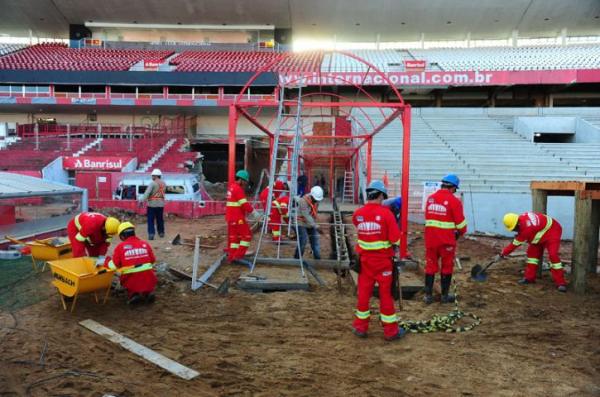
(562, 288)
(150, 298)
(243, 262)
(359, 333)
(446, 281)
(151, 237)
(399, 335)
(450, 298)
(161, 235)
(524, 281)
(135, 299)
(429, 280)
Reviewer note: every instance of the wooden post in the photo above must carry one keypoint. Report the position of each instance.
(539, 203)
(539, 200)
(582, 236)
(595, 235)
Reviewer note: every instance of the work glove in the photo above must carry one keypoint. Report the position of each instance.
(498, 257)
(255, 215)
(356, 264)
(456, 234)
(100, 261)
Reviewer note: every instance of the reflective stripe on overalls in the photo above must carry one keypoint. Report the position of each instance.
(540, 234)
(79, 236)
(374, 245)
(238, 203)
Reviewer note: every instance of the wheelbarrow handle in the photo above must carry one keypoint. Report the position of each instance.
(14, 240)
(47, 244)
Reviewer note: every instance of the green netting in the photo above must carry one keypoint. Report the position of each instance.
(20, 285)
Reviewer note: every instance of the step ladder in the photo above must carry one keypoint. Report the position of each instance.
(288, 137)
(348, 194)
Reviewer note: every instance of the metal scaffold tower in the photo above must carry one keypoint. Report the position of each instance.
(284, 167)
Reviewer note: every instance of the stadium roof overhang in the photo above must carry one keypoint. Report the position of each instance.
(348, 20)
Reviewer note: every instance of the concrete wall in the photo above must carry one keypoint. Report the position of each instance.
(528, 126)
(55, 172)
(586, 132)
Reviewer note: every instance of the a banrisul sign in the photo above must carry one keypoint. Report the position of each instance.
(95, 163)
(441, 78)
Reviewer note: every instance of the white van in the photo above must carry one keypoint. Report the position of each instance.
(180, 187)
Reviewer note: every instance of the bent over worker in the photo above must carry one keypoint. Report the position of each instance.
(90, 233)
(239, 234)
(541, 232)
(444, 223)
(378, 233)
(133, 258)
(155, 196)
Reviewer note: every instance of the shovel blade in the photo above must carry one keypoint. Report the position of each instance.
(477, 274)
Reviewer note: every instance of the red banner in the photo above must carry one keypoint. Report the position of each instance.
(441, 78)
(97, 163)
(415, 65)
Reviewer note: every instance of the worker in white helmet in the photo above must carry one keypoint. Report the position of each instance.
(308, 229)
(155, 196)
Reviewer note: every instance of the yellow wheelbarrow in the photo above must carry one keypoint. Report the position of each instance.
(46, 250)
(76, 276)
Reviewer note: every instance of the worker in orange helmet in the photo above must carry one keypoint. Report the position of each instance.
(90, 233)
(238, 231)
(541, 232)
(134, 259)
(444, 223)
(378, 239)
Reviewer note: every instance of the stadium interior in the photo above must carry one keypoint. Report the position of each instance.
(503, 94)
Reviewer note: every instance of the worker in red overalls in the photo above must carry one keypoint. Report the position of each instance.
(133, 258)
(540, 231)
(238, 231)
(279, 213)
(378, 234)
(444, 223)
(278, 188)
(90, 233)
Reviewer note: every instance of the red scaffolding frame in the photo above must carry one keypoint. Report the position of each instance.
(324, 150)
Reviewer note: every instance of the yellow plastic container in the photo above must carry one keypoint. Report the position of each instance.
(76, 276)
(44, 250)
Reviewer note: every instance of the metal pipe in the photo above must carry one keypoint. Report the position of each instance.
(406, 121)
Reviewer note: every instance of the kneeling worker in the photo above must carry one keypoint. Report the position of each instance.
(378, 234)
(540, 231)
(136, 259)
(90, 233)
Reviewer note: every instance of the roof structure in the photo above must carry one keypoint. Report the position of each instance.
(16, 185)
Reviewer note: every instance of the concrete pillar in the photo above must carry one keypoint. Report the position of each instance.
(582, 237)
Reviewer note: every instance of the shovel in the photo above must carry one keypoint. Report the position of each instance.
(478, 273)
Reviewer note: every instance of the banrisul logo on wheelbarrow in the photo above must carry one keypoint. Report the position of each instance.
(63, 279)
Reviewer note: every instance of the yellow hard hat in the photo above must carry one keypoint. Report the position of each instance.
(111, 225)
(124, 226)
(510, 220)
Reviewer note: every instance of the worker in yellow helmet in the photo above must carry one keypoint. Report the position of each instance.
(134, 260)
(541, 232)
(90, 233)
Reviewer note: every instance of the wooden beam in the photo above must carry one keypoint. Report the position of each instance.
(595, 236)
(155, 358)
(558, 185)
(539, 200)
(582, 235)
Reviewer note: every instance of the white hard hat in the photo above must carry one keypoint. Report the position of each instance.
(156, 172)
(317, 193)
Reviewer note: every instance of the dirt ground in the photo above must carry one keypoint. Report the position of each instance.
(533, 341)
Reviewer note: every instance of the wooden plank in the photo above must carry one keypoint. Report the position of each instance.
(156, 358)
(582, 234)
(558, 185)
